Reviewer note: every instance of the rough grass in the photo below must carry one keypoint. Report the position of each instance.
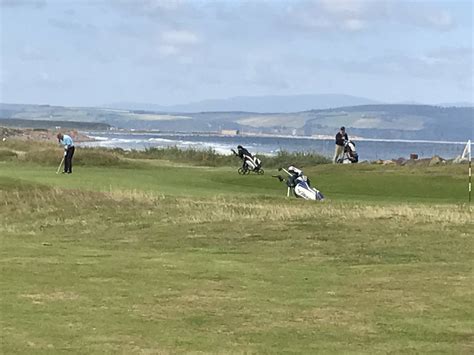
(7, 154)
(51, 154)
(211, 158)
(113, 260)
(46, 153)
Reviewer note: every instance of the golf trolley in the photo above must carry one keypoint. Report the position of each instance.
(350, 155)
(250, 164)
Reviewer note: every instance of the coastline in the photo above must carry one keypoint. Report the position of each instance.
(263, 135)
(41, 135)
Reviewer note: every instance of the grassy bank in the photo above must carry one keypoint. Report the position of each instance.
(161, 257)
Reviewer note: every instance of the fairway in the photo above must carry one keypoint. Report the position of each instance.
(161, 258)
(342, 183)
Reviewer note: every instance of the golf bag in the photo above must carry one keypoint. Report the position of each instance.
(350, 155)
(300, 187)
(249, 164)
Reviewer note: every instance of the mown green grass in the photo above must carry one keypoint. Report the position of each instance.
(163, 258)
(360, 183)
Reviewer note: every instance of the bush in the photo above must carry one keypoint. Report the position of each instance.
(210, 158)
(6, 154)
(48, 156)
(285, 159)
(82, 157)
(191, 156)
(25, 145)
(51, 154)
(98, 157)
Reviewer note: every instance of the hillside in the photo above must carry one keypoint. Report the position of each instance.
(370, 121)
(48, 124)
(398, 121)
(261, 104)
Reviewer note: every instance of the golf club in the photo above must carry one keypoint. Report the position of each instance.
(60, 164)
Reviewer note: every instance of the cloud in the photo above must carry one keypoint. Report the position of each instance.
(31, 53)
(179, 37)
(269, 76)
(67, 25)
(36, 4)
(452, 54)
(166, 11)
(178, 44)
(354, 25)
(440, 19)
(357, 15)
(167, 50)
(264, 18)
(45, 79)
(327, 16)
(167, 5)
(452, 65)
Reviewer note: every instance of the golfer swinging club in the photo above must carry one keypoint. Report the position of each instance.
(66, 140)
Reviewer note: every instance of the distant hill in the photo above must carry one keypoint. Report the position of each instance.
(46, 124)
(260, 104)
(381, 121)
(457, 104)
(422, 122)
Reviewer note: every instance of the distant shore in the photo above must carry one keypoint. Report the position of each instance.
(41, 135)
(266, 135)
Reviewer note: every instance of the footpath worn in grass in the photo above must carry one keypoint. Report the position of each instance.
(176, 259)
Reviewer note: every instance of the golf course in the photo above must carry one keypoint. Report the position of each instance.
(132, 254)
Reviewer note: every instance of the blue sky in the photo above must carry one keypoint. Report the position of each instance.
(88, 53)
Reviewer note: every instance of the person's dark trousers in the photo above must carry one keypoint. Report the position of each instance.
(68, 160)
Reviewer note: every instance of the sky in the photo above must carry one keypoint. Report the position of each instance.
(166, 52)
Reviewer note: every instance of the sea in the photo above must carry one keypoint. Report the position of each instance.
(368, 149)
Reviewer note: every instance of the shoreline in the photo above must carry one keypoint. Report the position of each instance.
(93, 136)
(250, 135)
(42, 135)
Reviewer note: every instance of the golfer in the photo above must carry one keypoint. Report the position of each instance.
(341, 138)
(68, 144)
(243, 154)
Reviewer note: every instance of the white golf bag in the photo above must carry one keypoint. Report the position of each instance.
(300, 187)
(304, 190)
(252, 163)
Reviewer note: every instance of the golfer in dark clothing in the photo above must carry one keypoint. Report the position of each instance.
(241, 151)
(68, 144)
(243, 154)
(341, 138)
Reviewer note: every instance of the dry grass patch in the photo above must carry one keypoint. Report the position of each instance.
(39, 298)
(177, 210)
